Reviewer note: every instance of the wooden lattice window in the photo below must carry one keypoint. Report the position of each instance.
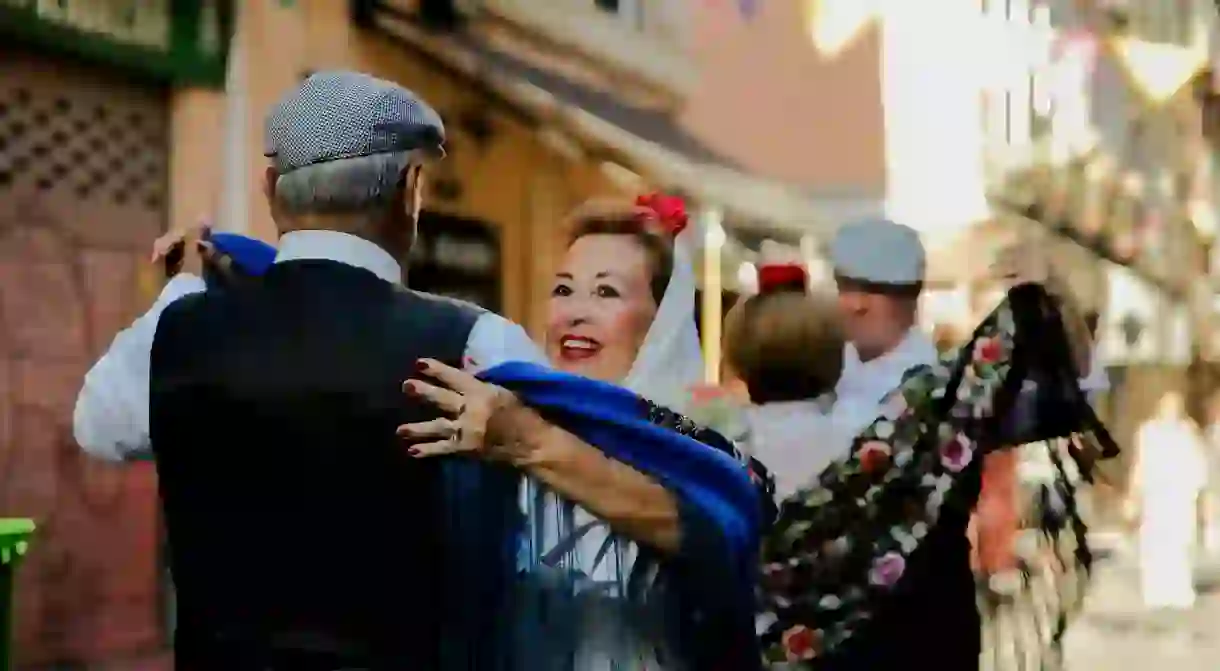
(89, 147)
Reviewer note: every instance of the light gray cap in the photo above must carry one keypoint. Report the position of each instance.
(336, 114)
(878, 251)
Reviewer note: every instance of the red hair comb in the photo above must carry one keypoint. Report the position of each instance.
(774, 277)
(670, 211)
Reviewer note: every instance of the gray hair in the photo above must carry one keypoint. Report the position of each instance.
(355, 185)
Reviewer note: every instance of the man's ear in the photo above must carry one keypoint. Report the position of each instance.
(270, 178)
(270, 175)
(412, 191)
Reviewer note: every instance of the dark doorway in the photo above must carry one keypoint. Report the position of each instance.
(458, 257)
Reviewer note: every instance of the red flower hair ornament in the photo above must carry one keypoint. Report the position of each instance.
(788, 276)
(670, 211)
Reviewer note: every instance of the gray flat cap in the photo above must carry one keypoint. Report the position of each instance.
(335, 115)
(878, 251)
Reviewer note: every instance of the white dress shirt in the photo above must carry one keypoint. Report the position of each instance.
(864, 384)
(111, 418)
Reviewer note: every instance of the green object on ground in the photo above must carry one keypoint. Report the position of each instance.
(14, 541)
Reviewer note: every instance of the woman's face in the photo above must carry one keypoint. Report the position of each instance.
(601, 307)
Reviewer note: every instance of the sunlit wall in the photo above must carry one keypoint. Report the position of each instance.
(933, 122)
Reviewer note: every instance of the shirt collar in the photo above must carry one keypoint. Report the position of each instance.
(341, 248)
(915, 349)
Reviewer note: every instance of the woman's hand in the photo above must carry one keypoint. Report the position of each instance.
(188, 250)
(483, 418)
(180, 250)
(491, 422)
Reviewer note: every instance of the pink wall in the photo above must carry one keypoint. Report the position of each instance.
(770, 101)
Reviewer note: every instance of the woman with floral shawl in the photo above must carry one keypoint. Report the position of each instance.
(850, 569)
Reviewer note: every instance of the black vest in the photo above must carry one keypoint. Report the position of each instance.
(297, 522)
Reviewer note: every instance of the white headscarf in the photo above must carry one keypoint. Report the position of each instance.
(670, 361)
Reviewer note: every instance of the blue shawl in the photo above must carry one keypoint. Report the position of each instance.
(714, 574)
(609, 418)
(250, 255)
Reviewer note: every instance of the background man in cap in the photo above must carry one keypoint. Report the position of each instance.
(303, 535)
(879, 269)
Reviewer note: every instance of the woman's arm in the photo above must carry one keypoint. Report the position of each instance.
(494, 422)
(629, 501)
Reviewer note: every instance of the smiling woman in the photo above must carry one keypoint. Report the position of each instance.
(609, 287)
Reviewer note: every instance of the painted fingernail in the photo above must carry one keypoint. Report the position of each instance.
(409, 389)
(413, 451)
(421, 365)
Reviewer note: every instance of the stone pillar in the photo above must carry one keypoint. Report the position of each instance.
(196, 116)
(271, 44)
(194, 168)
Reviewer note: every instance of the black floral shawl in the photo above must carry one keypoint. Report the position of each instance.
(839, 547)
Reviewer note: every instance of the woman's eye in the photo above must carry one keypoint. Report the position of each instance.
(607, 291)
(561, 290)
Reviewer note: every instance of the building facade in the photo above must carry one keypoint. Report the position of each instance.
(1072, 122)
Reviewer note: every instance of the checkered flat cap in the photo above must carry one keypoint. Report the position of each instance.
(336, 115)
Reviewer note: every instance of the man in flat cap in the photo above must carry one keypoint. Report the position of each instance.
(879, 268)
(303, 535)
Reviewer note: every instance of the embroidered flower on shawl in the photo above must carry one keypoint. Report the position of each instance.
(988, 350)
(800, 643)
(887, 570)
(874, 456)
(956, 453)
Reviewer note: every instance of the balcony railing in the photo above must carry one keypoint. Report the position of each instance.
(642, 37)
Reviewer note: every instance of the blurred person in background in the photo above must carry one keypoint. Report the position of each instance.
(1167, 478)
(1211, 498)
(784, 346)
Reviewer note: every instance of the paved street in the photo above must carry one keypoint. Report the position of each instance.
(1115, 633)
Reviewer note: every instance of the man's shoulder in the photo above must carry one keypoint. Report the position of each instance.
(441, 315)
(417, 299)
(190, 305)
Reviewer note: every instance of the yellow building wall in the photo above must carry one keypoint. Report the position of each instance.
(514, 182)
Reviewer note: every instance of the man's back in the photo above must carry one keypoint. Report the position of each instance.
(295, 516)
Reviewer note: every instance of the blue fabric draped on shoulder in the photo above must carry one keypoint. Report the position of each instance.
(611, 419)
